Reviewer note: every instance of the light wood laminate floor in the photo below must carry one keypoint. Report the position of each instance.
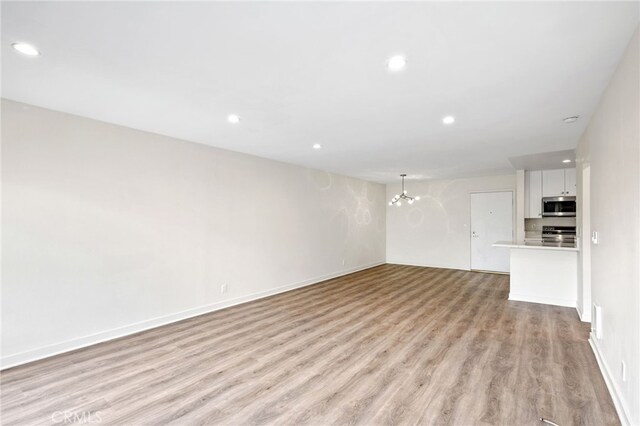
(389, 345)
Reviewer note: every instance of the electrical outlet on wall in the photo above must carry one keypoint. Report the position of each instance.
(623, 371)
(223, 288)
(343, 262)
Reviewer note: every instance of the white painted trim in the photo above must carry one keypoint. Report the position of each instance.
(544, 300)
(423, 265)
(621, 409)
(103, 336)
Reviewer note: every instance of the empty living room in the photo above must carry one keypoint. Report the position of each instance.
(320, 213)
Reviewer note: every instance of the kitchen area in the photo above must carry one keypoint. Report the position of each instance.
(544, 260)
(550, 206)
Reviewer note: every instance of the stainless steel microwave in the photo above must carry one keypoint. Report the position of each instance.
(558, 206)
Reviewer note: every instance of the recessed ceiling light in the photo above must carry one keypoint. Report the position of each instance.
(317, 146)
(449, 119)
(571, 119)
(397, 63)
(566, 161)
(232, 118)
(26, 49)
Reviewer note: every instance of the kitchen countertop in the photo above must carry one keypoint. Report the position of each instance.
(536, 245)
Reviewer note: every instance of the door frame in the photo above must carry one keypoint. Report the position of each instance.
(584, 255)
(513, 220)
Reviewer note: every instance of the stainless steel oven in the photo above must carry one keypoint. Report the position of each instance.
(559, 234)
(558, 206)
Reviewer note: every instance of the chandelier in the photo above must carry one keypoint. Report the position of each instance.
(403, 196)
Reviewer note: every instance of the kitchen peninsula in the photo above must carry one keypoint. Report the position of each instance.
(543, 272)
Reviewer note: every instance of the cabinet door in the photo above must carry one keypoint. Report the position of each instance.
(533, 181)
(569, 181)
(553, 183)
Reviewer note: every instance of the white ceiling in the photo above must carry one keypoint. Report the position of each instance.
(305, 73)
(545, 161)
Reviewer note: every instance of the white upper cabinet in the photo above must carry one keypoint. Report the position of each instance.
(556, 183)
(533, 194)
(553, 183)
(546, 183)
(570, 181)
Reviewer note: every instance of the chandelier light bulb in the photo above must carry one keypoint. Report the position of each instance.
(398, 204)
(417, 198)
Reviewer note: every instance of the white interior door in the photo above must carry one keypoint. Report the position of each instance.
(491, 221)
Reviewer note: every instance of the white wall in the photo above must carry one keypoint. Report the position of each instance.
(611, 147)
(435, 230)
(583, 228)
(108, 230)
(520, 205)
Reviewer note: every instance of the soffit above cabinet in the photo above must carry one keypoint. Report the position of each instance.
(545, 160)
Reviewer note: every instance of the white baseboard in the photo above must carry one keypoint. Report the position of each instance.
(103, 336)
(585, 316)
(453, 268)
(618, 402)
(427, 266)
(544, 300)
